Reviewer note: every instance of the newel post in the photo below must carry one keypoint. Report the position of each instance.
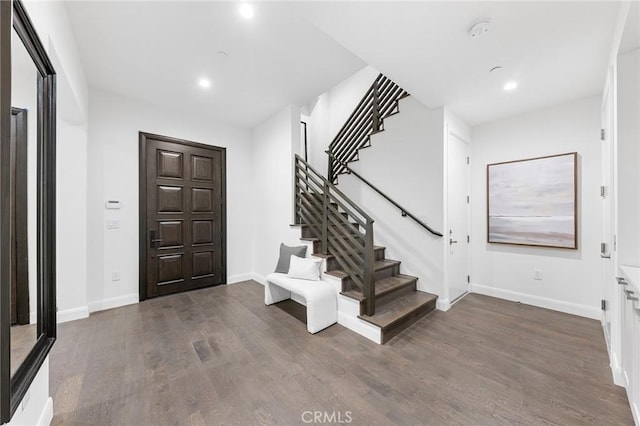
(296, 215)
(325, 219)
(369, 289)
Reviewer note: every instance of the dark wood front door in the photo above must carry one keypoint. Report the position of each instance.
(182, 215)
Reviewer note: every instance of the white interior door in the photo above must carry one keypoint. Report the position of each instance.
(456, 237)
(607, 249)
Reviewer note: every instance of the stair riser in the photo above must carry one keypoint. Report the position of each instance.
(307, 232)
(317, 200)
(405, 322)
(333, 264)
(317, 247)
(348, 284)
(391, 297)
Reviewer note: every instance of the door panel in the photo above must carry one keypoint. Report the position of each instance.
(183, 214)
(458, 217)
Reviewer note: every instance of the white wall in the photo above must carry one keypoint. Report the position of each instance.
(329, 112)
(275, 142)
(571, 278)
(628, 137)
(54, 30)
(115, 122)
(405, 161)
(71, 218)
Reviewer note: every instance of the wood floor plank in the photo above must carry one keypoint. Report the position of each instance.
(220, 356)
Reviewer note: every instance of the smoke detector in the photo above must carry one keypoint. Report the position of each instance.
(479, 28)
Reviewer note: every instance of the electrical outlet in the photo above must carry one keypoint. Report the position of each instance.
(537, 274)
(115, 276)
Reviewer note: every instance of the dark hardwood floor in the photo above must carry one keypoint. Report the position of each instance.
(219, 356)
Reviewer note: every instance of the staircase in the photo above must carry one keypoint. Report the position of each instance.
(375, 299)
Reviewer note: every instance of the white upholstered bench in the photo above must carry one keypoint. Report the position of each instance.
(320, 297)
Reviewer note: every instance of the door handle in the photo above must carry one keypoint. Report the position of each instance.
(153, 240)
(607, 256)
(452, 241)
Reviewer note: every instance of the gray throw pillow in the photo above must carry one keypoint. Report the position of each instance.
(285, 256)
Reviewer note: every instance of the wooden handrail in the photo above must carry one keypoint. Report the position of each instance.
(403, 211)
(320, 205)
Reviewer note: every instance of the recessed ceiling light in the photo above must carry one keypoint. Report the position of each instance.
(246, 11)
(204, 83)
(510, 85)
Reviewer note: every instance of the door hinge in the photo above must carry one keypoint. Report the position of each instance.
(603, 305)
(467, 199)
(603, 191)
(602, 134)
(468, 239)
(615, 243)
(468, 279)
(467, 160)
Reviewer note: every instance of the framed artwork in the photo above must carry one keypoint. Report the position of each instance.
(533, 202)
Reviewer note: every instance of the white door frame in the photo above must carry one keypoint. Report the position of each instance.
(614, 343)
(446, 301)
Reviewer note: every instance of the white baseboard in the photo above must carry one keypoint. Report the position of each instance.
(72, 314)
(541, 302)
(348, 310)
(239, 278)
(614, 364)
(113, 302)
(618, 376)
(443, 304)
(635, 410)
(363, 328)
(46, 417)
(258, 278)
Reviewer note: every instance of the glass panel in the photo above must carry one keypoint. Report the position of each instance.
(24, 134)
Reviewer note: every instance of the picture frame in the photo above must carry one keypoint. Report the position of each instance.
(534, 202)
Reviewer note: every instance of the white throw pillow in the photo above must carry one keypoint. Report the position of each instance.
(304, 268)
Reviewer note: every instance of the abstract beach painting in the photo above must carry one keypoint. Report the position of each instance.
(533, 201)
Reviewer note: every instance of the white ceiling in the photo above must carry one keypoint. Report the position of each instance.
(291, 52)
(158, 50)
(631, 35)
(556, 51)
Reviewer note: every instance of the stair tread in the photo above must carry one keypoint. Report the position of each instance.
(330, 256)
(378, 265)
(384, 286)
(397, 310)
